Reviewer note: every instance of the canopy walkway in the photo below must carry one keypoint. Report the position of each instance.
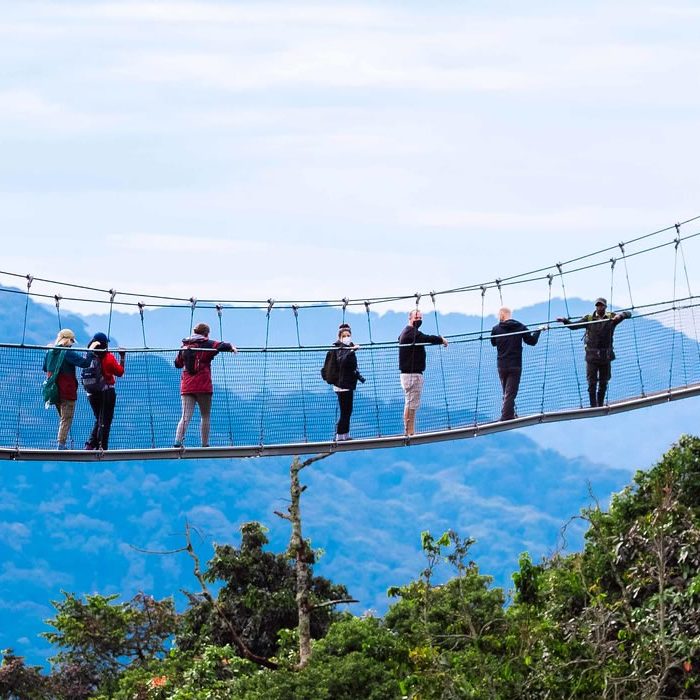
(272, 401)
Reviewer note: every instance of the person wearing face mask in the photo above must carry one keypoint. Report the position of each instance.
(348, 376)
(412, 365)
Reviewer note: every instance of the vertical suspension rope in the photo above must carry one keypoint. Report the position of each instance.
(224, 364)
(295, 309)
(677, 323)
(500, 291)
(270, 304)
(550, 278)
(634, 327)
(30, 279)
(374, 373)
(112, 294)
(442, 367)
(571, 338)
(58, 298)
(141, 306)
(612, 280)
(193, 304)
(481, 347)
(690, 293)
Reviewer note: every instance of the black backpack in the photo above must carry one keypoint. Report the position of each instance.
(330, 372)
(92, 378)
(192, 356)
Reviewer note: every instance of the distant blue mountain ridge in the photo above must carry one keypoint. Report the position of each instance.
(71, 525)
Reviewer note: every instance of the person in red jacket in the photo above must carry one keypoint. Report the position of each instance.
(194, 359)
(104, 400)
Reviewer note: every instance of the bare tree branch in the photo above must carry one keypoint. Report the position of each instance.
(328, 603)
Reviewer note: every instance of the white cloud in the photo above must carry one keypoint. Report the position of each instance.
(14, 534)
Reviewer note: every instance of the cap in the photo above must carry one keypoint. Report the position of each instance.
(65, 336)
(602, 301)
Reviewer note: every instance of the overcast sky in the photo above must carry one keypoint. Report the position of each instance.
(247, 150)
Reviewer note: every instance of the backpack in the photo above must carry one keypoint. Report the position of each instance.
(49, 387)
(330, 372)
(192, 358)
(92, 377)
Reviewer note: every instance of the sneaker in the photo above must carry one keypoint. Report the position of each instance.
(88, 446)
(177, 445)
(62, 446)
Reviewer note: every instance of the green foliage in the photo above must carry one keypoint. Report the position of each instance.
(17, 680)
(258, 596)
(358, 658)
(97, 637)
(619, 620)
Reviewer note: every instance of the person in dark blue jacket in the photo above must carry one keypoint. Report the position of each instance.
(508, 336)
(348, 376)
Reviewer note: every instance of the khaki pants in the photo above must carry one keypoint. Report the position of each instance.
(66, 410)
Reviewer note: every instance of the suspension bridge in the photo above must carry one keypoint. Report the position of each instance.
(270, 399)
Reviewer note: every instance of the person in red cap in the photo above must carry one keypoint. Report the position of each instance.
(600, 326)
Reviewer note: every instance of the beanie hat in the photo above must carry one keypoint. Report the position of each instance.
(99, 340)
(343, 327)
(65, 337)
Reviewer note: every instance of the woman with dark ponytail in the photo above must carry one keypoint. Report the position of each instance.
(101, 394)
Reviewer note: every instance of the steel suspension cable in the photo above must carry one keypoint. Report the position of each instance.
(442, 366)
(270, 304)
(112, 294)
(30, 279)
(571, 338)
(677, 319)
(227, 385)
(295, 309)
(546, 342)
(141, 306)
(621, 246)
(481, 347)
(374, 373)
(57, 298)
(690, 294)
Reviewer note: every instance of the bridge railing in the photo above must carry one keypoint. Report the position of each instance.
(277, 397)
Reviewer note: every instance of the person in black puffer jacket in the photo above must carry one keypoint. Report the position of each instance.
(348, 377)
(508, 337)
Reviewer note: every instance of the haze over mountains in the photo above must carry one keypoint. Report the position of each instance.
(71, 526)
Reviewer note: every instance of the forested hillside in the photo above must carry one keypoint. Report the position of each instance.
(620, 619)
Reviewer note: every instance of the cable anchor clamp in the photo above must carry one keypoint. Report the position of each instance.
(295, 309)
(112, 294)
(621, 246)
(678, 229)
(141, 306)
(345, 301)
(559, 266)
(550, 278)
(270, 304)
(219, 309)
(483, 290)
(367, 307)
(193, 302)
(612, 263)
(30, 279)
(58, 298)
(417, 295)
